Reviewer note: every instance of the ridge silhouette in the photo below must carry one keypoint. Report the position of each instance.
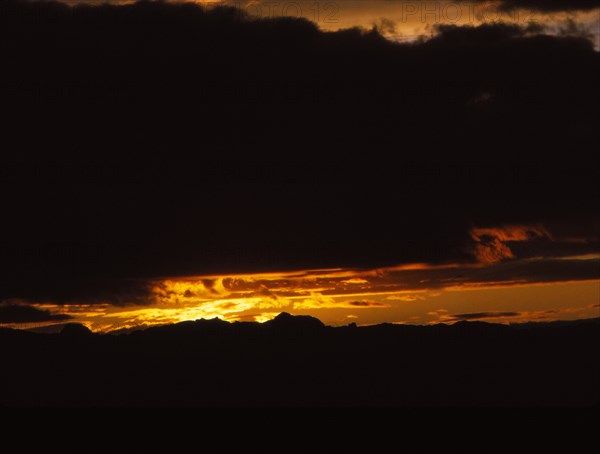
(299, 361)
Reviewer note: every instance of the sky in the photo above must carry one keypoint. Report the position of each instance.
(495, 286)
(402, 20)
(405, 20)
(181, 163)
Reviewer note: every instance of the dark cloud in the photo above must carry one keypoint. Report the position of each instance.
(481, 35)
(531, 271)
(209, 284)
(309, 149)
(526, 271)
(549, 5)
(265, 292)
(79, 290)
(365, 303)
(480, 315)
(13, 313)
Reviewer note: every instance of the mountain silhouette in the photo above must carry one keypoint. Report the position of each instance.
(298, 361)
(287, 324)
(75, 330)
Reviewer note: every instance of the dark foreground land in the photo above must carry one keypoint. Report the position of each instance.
(297, 361)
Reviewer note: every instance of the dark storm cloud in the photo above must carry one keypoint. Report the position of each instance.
(13, 313)
(309, 149)
(480, 315)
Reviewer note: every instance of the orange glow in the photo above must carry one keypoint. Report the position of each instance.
(396, 20)
(366, 298)
(511, 232)
(490, 243)
(424, 266)
(522, 289)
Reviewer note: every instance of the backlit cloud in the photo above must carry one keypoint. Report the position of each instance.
(491, 243)
(334, 234)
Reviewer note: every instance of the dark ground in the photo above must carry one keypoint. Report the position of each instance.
(295, 361)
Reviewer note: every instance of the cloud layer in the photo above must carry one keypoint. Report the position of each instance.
(310, 150)
(13, 313)
(550, 5)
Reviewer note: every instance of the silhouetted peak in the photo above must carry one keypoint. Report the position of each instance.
(75, 330)
(216, 321)
(296, 321)
(479, 327)
(284, 316)
(200, 326)
(469, 324)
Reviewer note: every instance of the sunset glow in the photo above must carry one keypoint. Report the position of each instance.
(400, 20)
(412, 293)
(507, 272)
